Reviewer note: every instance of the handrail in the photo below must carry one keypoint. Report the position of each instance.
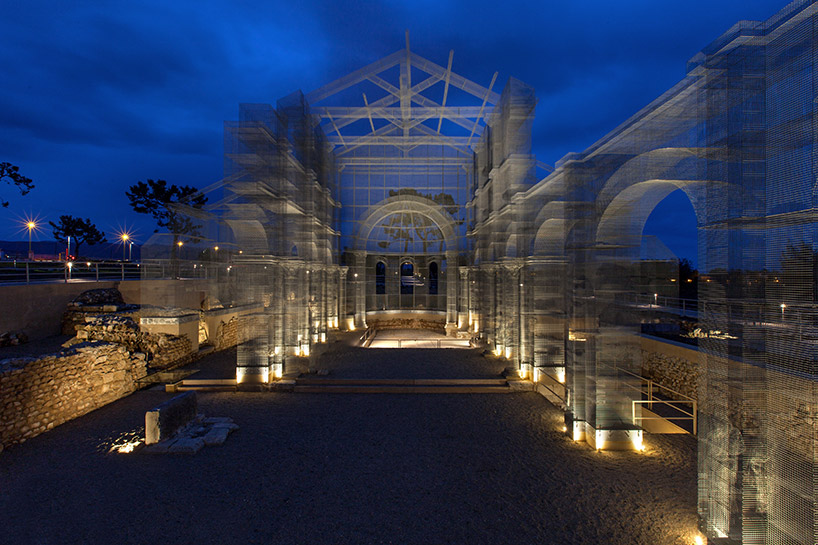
(649, 387)
(692, 415)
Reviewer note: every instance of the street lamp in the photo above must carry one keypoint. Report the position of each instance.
(125, 237)
(31, 226)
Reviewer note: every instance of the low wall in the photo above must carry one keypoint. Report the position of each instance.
(407, 320)
(39, 394)
(37, 309)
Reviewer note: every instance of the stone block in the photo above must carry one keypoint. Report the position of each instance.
(186, 445)
(164, 420)
(216, 436)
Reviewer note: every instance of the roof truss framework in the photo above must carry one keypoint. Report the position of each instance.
(403, 113)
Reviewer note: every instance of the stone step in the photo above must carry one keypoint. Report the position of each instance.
(403, 386)
(401, 382)
(202, 385)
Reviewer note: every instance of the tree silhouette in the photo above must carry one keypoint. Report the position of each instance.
(11, 175)
(81, 230)
(157, 199)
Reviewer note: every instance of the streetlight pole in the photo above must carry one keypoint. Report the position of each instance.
(31, 226)
(125, 238)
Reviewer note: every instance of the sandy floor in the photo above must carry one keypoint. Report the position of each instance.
(333, 468)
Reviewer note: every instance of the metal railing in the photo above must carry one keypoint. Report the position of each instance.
(36, 272)
(684, 307)
(32, 272)
(367, 336)
(679, 403)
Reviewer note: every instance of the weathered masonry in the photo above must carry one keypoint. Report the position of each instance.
(404, 187)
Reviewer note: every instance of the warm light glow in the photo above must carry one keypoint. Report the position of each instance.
(127, 447)
(783, 306)
(216, 248)
(498, 350)
(87, 263)
(355, 275)
(125, 237)
(278, 370)
(523, 369)
(239, 375)
(508, 352)
(179, 243)
(31, 225)
(698, 540)
(560, 375)
(637, 440)
(70, 264)
(577, 431)
(537, 373)
(564, 429)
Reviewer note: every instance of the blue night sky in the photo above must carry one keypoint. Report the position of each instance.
(99, 95)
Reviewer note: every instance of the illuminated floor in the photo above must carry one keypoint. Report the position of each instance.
(415, 338)
(343, 469)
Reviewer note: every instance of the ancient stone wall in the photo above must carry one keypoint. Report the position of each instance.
(39, 394)
(163, 350)
(407, 323)
(227, 334)
(671, 366)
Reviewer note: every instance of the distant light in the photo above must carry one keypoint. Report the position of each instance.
(87, 263)
(180, 243)
(31, 225)
(216, 248)
(125, 237)
(70, 264)
(783, 306)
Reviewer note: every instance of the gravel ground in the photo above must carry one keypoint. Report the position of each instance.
(333, 468)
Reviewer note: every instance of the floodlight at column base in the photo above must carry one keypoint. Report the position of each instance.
(253, 375)
(614, 439)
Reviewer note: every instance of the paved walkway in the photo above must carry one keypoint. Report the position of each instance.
(351, 469)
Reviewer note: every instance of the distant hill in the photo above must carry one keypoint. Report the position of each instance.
(15, 249)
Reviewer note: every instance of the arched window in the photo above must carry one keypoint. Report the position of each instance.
(432, 278)
(380, 278)
(407, 278)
